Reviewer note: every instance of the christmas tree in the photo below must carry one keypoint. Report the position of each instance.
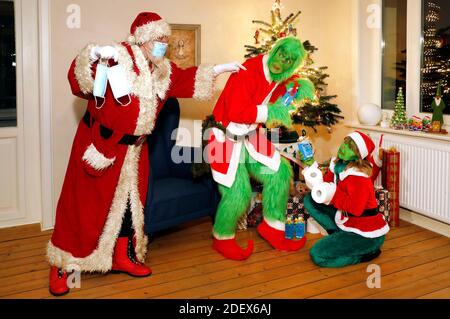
(309, 113)
(398, 120)
(436, 56)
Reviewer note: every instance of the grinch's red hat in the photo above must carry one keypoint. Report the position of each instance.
(146, 27)
(364, 143)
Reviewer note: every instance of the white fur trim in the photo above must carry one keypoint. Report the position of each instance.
(263, 113)
(372, 234)
(100, 260)
(271, 162)
(228, 179)
(265, 61)
(276, 224)
(351, 172)
(144, 89)
(332, 165)
(376, 159)
(96, 159)
(150, 31)
(83, 70)
(204, 82)
(240, 129)
(218, 237)
(219, 135)
(359, 141)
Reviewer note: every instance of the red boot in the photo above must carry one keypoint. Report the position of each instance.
(230, 249)
(276, 238)
(124, 260)
(58, 282)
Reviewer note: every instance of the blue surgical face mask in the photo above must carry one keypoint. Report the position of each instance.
(159, 49)
(100, 81)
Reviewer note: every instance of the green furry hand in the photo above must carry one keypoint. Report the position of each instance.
(279, 115)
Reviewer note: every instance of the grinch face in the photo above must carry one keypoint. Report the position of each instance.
(281, 61)
(285, 58)
(346, 154)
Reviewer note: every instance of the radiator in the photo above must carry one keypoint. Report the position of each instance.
(424, 174)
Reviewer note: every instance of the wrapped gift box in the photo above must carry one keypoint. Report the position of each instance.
(384, 205)
(390, 175)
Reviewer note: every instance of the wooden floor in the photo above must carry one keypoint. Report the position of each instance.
(415, 263)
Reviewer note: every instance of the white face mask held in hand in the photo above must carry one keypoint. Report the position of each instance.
(120, 85)
(159, 49)
(100, 84)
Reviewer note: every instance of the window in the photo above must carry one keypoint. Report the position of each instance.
(435, 53)
(394, 50)
(7, 65)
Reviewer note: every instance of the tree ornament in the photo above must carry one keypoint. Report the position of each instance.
(256, 37)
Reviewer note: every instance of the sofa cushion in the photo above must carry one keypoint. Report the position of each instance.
(174, 197)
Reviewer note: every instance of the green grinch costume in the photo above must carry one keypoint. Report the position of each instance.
(240, 150)
(343, 202)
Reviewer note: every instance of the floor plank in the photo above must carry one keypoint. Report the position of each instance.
(185, 266)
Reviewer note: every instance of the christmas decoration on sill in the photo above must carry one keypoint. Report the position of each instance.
(398, 120)
(438, 106)
(322, 111)
(369, 114)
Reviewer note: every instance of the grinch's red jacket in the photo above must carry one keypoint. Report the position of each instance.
(354, 198)
(104, 175)
(241, 109)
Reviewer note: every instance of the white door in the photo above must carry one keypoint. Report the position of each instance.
(20, 186)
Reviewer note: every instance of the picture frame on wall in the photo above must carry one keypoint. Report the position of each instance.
(185, 45)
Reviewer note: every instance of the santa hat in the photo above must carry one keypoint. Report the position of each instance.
(364, 143)
(148, 26)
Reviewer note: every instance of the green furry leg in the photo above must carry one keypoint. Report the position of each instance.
(275, 187)
(323, 214)
(234, 203)
(343, 249)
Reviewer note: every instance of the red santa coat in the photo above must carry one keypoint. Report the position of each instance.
(354, 195)
(241, 108)
(102, 175)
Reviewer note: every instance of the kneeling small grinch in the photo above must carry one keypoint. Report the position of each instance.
(343, 202)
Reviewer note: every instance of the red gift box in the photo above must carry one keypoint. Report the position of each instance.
(391, 181)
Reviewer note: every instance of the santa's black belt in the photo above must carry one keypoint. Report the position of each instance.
(106, 133)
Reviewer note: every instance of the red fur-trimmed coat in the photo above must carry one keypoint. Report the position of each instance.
(103, 175)
(242, 108)
(354, 195)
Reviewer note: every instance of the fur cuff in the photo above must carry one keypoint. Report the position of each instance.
(204, 83)
(96, 159)
(83, 70)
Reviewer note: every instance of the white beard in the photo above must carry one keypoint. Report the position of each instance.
(160, 68)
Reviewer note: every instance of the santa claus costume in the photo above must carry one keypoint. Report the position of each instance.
(344, 204)
(105, 185)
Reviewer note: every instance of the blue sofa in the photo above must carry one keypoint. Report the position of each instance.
(174, 197)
